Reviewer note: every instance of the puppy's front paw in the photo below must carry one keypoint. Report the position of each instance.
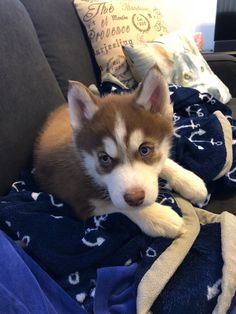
(159, 220)
(190, 186)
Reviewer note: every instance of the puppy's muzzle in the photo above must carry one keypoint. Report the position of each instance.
(134, 197)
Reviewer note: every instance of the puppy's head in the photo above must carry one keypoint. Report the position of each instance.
(123, 140)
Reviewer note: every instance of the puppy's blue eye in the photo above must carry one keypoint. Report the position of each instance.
(104, 159)
(145, 150)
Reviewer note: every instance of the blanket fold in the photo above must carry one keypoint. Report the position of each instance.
(165, 266)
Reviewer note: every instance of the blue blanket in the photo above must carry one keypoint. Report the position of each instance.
(101, 263)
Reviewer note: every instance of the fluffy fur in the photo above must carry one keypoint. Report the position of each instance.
(110, 152)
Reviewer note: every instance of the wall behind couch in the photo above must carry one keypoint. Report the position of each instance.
(197, 16)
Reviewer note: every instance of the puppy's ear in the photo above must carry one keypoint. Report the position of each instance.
(82, 104)
(153, 94)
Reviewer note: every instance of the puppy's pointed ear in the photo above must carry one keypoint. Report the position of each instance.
(82, 104)
(153, 94)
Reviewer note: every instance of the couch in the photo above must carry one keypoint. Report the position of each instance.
(43, 45)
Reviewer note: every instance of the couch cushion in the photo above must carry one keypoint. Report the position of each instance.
(224, 65)
(232, 106)
(114, 23)
(28, 89)
(222, 202)
(62, 40)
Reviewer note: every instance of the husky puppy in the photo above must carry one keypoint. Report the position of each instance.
(104, 155)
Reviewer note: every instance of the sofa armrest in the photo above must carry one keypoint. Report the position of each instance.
(232, 105)
(224, 66)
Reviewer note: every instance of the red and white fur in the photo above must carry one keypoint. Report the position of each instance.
(104, 155)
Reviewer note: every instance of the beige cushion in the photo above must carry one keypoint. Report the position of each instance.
(181, 62)
(114, 23)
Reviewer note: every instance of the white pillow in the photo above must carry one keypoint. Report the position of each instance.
(113, 23)
(180, 60)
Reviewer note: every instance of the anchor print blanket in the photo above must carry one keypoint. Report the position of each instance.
(53, 263)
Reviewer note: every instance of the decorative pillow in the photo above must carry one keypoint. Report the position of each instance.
(180, 60)
(114, 23)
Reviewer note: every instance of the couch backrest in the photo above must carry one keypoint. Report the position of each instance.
(62, 40)
(41, 45)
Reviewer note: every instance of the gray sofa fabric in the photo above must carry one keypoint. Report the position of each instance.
(61, 38)
(232, 105)
(224, 66)
(28, 89)
(222, 202)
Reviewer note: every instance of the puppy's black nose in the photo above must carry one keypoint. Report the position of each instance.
(134, 197)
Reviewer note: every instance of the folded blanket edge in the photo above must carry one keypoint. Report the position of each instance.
(227, 131)
(151, 285)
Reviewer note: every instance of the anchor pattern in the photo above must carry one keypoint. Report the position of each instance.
(198, 133)
(73, 251)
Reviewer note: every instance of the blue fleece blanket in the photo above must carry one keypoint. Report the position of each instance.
(97, 267)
